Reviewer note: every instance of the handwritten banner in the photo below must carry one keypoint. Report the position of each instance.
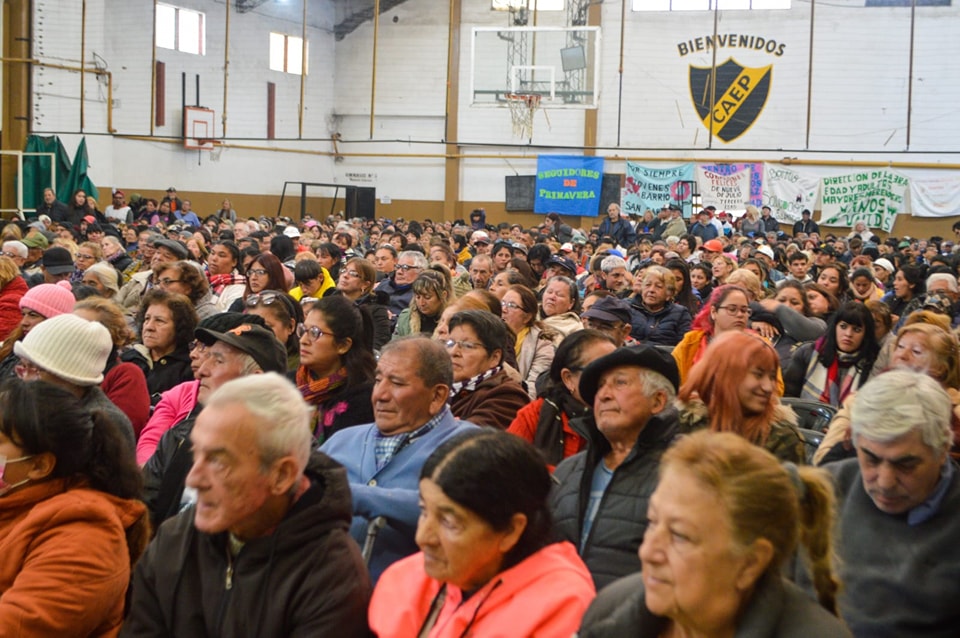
(652, 188)
(874, 197)
(569, 185)
(935, 196)
(788, 192)
(756, 178)
(729, 193)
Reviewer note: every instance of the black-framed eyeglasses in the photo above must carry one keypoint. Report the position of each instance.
(265, 298)
(259, 272)
(736, 310)
(314, 332)
(406, 267)
(166, 281)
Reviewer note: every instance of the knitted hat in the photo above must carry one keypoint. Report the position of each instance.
(49, 300)
(68, 347)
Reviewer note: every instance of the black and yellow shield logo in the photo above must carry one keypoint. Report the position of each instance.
(739, 94)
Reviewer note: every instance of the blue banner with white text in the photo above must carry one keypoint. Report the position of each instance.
(569, 185)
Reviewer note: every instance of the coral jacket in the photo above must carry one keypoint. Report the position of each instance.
(544, 595)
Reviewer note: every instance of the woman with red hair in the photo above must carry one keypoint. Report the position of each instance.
(733, 389)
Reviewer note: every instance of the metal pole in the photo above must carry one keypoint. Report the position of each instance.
(373, 71)
(913, 24)
(226, 68)
(813, 5)
(153, 72)
(713, 73)
(83, 55)
(303, 73)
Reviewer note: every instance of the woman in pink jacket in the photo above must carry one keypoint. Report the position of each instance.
(487, 566)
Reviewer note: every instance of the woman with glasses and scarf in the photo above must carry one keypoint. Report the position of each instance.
(836, 364)
(224, 274)
(282, 315)
(728, 309)
(336, 365)
(356, 282)
(264, 273)
(482, 393)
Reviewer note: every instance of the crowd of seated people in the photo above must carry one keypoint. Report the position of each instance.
(232, 425)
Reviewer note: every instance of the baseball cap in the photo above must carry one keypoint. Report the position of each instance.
(291, 231)
(713, 245)
(566, 248)
(609, 309)
(564, 262)
(35, 240)
(255, 341)
(766, 250)
(480, 237)
(57, 260)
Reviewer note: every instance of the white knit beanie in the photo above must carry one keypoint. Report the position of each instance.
(68, 347)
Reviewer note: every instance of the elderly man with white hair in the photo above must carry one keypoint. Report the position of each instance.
(266, 549)
(899, 511)
(615, 276)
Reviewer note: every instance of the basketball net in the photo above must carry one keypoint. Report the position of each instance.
(523, 106)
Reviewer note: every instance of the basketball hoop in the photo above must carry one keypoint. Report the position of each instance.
(523, 106)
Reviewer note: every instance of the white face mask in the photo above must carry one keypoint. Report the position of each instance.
(4, 486)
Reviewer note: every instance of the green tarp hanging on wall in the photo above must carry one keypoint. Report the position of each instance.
(77, 178)
(36, 168)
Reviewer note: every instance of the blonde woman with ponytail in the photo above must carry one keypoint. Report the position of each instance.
(724, 520)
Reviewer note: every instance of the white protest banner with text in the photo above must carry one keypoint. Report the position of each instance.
(730, 193)
(935, 196)
(788, 192)
(874, 197)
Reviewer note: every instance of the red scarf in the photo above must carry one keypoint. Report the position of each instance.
(219, 282)
(317, 392)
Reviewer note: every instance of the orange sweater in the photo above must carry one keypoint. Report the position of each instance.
(65, 566)
(543, 596)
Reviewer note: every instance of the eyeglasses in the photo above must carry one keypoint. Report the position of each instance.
(351, 273)
(510, 305)
(314, 332)
(266, 298)
(469, 346)
(737, 310)
(166, 281)
(406, 267)
(197, 345)
(10, 255)
(85, 257)
(259, 272)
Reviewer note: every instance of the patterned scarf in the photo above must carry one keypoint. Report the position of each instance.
(832, 384)
(219, 282)
(317, 392)
(471, 384)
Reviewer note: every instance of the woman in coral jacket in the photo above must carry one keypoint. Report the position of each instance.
(12, 289)
(487, 566)
(70, 524)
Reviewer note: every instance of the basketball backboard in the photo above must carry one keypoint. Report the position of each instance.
(198, 128)
(560, 64)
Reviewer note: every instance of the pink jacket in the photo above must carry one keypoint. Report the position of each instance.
(543, 596)
(174, 406)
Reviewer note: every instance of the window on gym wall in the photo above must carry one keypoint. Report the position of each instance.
(286, 53)
(538, 5)
(708, 5)
(180, 29)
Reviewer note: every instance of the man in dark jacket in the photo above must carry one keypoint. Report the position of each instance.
(600, 501)
(620, 229)
(266, 549)
(52, 207)
(234, 353)
(806, 225)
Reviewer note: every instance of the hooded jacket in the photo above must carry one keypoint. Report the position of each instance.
(544, 595)
(305, 579)
(610, 551)
(66, 562)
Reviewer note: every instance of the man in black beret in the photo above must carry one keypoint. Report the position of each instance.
(600, 501)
